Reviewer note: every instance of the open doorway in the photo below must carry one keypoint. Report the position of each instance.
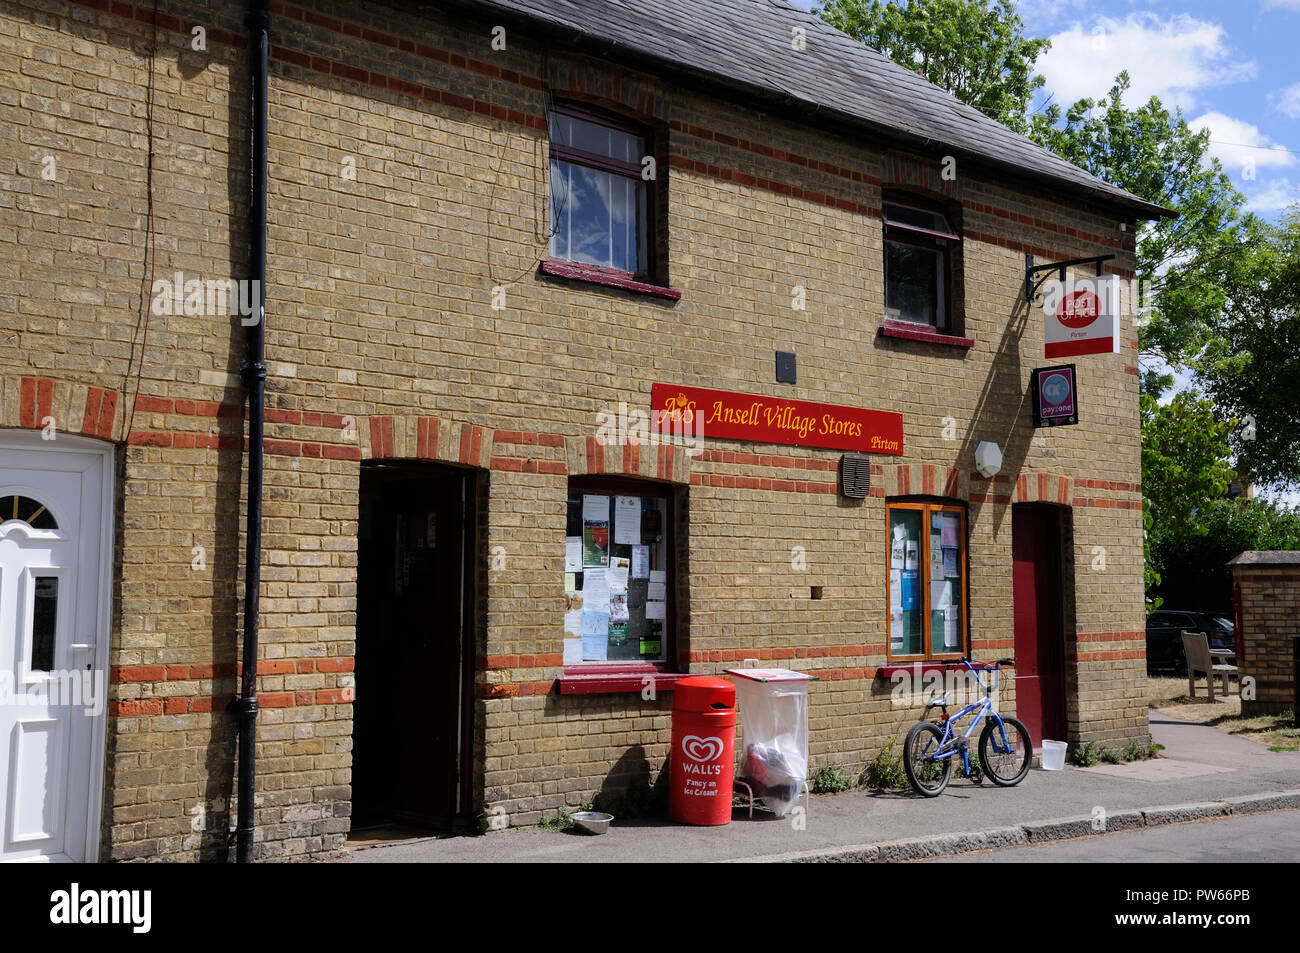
(1036, 534)
(412, 728)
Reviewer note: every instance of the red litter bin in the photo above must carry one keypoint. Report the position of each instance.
(701, 764)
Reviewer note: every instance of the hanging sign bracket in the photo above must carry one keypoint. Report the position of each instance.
(1032, 286)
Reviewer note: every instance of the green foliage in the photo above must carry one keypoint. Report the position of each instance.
(975, 49)
(1185, 457)
(831, 779)
(1252, 360)
(1192, 559)
(885, 770)
(1154, 154)
(1085, 756)
(562, 821)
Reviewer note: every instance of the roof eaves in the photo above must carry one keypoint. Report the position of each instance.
(1102, 192)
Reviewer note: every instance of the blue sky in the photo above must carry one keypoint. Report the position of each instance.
(1231, 66)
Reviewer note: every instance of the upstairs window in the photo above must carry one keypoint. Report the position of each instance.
(919, 243)
(600, 204)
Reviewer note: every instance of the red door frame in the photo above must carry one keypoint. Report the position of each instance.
(1038, 587)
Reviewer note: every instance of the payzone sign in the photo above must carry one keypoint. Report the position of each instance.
(1082, 316)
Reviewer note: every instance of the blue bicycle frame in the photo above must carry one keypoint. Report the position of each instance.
(948, 744)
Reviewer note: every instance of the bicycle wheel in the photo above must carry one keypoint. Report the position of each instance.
(1005, 767)
(927, 776)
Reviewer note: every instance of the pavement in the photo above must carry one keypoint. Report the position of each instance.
(1202, 773)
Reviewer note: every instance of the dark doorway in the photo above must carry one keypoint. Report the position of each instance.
(415, 645)
(1039, 620)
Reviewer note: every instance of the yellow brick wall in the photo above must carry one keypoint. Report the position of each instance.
(379, 304)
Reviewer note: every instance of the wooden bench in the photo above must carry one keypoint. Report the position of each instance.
(1196, 647)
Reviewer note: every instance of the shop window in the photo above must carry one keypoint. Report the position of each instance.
(926, 606)
(601, 204)
(919, 245)
(618, 573)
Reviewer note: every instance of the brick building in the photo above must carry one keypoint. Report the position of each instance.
(500, 236)
(1267, 602)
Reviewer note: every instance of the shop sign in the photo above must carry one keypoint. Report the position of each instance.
(1054, 393)
(732, 416)
(1082, 316)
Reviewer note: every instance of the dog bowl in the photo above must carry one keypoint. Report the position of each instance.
(592, 822)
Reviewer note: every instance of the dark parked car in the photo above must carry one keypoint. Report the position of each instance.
(1164, 637)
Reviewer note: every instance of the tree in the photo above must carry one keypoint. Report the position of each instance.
(975, 49)
(1185, 454)
(1155, 155)
(1196, 558)
(1251, 363)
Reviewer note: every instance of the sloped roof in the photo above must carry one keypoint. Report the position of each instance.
(746, 44)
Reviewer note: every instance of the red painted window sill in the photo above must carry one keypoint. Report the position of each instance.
(911, 331)
(610, 279)
(609, 679)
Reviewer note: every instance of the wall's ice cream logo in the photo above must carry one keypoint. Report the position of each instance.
(701, 749)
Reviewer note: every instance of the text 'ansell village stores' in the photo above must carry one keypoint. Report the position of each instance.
(731, 416)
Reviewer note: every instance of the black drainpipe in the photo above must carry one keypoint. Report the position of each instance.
(254, 375)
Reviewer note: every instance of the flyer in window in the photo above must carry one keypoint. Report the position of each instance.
(595, 648)
(950, 527)
(617, 609)
(640, 562)
(657, 591)
(617, 573)
(896, 633)
(909, 581)
(573, 554)
(896, 590)
(950, 618)
(595, 509)
(896, 548)
(913, 560)
(595, 544)
(950, 561)
(940, 593)
(936, 555)
(655, 609)
(618, 633)
(572, 651)
(627, 520)
(595, 588)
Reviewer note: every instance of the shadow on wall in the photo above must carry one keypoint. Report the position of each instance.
(1003, 388)
(627, 792)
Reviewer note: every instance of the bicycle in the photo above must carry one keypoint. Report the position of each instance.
(1005, 749)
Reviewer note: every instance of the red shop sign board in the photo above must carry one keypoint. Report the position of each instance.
(702, 412)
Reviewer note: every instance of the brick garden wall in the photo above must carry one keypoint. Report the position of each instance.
(1270, 608)
(382, 341)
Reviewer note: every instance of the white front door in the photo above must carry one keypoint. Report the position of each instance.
(53, 646)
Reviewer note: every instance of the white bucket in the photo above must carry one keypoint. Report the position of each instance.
(1054, 755)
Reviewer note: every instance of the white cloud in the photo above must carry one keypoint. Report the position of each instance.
(1170, 58)
(1282, 4)
(1287, 101)
(1276, 196)
(1241, 147)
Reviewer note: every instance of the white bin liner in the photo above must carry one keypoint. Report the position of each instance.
(775, 758)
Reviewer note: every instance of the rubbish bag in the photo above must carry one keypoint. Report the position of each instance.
(775, 760)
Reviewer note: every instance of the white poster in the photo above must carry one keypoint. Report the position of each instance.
(595, 509)
(627, 520)
(573, 554)
(640, 562)
(655, 610)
